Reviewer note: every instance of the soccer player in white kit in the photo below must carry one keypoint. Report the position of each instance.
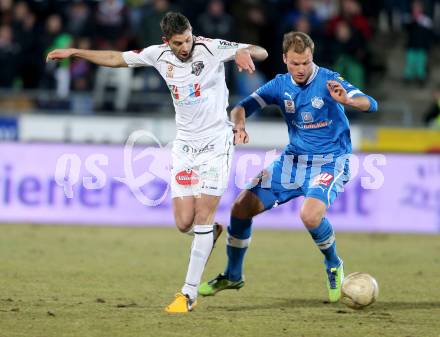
(193, 68)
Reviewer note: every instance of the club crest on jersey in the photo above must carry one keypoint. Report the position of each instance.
(317, 102)
(289, 105)
(197, 67)
(307, 117)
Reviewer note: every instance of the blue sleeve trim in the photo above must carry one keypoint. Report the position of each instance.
(373, 104)
(250, 105)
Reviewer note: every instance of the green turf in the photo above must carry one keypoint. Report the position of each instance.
(104, 282)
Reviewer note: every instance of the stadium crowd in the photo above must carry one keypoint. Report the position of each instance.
(343, 30)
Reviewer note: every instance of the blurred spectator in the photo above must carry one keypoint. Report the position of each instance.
(303, 9)
(150, 32)
(79, 19)
(112, 27)
(56, 73)
(81, 70)
(394, 10)
(252, 25)
(350, 33)
(351, 12)
(214, 22)
(26, 32)
(419, 39)
(135, 13)
(81, 79)
(112, 32)
(6, 13)
(432, 117)
(8, 57)
(349, 50)
(253, 28)
(119, 79)
(191, 9)
(305, 19)
(325, 9)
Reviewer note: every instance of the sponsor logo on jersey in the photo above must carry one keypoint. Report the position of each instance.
(227, 45)
(190, 149)
(174, 91)
(307, 117)
(197, 67)
(322, 179)
(170, 71)
(201, 38)
(317, 102)
(195, 90)
(289, 105)
(187, 178)
(316, 125)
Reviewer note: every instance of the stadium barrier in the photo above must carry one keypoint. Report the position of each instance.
(105, 185)
(116, 130)
(402, 140)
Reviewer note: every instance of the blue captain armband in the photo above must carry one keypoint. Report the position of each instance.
(250, 105)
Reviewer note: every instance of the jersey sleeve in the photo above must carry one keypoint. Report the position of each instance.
(352, 91)
(225, 50)
(265, 95)
(142, 57)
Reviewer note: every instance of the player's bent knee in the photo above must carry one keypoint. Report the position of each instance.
(311, 218)
(184, 224)
(246, 206)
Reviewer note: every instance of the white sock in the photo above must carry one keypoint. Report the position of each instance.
(200, 250)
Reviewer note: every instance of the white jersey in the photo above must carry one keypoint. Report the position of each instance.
(197, 86)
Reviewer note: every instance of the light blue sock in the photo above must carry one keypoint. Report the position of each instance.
(324, 238)
(239, 237)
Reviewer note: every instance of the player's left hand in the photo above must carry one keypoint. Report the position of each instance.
(338, 92)
(240, 136)
(243, 60)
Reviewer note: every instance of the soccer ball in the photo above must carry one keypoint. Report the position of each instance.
(359, 290)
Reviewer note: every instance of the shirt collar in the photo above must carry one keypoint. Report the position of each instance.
(311, 78)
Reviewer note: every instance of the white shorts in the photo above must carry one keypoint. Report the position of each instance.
(201, 166)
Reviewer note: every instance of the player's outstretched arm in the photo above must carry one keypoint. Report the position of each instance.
(244, 57)
(257, 53)
(339, 94)
(106, 58)
(238, 116)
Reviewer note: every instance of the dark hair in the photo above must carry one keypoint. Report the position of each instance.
(298, 42)
(174, 23)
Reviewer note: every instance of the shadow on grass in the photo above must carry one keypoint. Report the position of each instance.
(301, 303)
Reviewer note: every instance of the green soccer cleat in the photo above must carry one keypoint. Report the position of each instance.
(217, 284)
(335, 276)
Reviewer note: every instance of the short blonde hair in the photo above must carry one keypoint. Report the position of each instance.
(298, 42)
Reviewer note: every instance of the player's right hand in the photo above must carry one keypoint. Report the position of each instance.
(243, 60)
(240, 136)
(59, 54)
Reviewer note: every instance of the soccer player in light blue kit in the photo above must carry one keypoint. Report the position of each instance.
(314, 164)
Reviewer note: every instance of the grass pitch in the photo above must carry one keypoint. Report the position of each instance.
(95, 282)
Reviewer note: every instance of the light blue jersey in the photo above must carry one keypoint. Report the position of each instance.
(315, 162)
(317, 124)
